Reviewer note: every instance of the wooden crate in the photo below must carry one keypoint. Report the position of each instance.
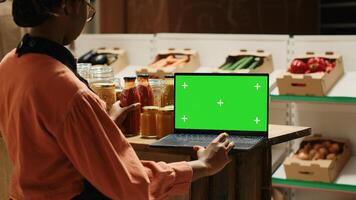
(313, 84)
(266, 67)
(159, 72)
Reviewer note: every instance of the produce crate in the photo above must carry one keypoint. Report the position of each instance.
(114, 57)
(323, 170)
(311, 84)
(170, 61)
(235, 64)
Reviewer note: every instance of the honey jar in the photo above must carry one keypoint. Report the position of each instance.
(149, 122)
(165, 121)
(102, 83)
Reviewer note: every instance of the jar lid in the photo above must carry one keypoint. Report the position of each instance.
(143, 75)
(169, 76)
(167, 109)
(103, 85)
(150, 108)
(130, 78)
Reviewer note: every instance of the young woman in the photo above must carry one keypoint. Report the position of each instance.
(62, 142)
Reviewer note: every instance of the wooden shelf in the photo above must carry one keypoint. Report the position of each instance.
(344, 184)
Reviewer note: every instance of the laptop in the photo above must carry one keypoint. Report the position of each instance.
(207, 104)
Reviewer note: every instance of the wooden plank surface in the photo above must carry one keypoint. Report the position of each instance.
(281, 133)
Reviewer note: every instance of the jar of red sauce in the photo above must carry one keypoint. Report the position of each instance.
(129, 96)
(145, 90)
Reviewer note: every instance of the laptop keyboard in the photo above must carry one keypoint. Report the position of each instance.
(193, 139)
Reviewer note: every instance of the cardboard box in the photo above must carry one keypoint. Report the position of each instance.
(313, 84)
(191, 65)
(266, 67)
(121, 60)
(317, 170)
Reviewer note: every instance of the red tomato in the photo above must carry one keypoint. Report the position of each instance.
(317, 64)
(298, 67)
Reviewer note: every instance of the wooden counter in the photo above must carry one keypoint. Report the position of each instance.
(248, 176)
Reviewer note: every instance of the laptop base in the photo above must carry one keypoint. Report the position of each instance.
(242, 143)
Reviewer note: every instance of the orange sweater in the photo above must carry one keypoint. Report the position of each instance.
(57, 134)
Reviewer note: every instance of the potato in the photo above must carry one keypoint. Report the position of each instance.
(312, 153)
(331, 156)
(318, 156)
(317, 146)
(326, 144)
(307, 147)
(323, 151)
(334, 148)
(303, 156)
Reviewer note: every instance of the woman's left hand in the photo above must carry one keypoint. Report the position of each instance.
(119, 114)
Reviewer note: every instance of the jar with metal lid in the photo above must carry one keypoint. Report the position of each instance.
(167, 96)
(102, 83)
(165, 121)
(149, 122)
(129, 96)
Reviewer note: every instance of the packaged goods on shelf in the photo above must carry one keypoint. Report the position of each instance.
(170, 61)
(318, 159)
(245, 61)
(113, 57)
(311, 74)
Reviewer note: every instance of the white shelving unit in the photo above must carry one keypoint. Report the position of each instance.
(332, 116)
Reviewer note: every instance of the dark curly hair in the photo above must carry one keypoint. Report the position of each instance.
(31, 13)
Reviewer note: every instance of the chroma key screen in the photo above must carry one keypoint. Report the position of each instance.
(221, 102)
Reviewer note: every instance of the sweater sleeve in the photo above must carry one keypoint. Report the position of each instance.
(100, 152)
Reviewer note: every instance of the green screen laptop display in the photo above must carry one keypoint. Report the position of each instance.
(221, 102)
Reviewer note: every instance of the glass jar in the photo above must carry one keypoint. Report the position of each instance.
(149, 122)
(129, 96)
(102, 83)
(145, 90)
(165, 121)
(83, 70)
(156, 85)
(167, 96)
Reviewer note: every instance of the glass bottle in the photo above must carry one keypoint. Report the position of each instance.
(167, 96)
(102, 83)
(148, 122)
(129, 96)
(145, 90)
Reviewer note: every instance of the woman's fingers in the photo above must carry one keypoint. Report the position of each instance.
(221, 138)
(230, 146)
(131, 107)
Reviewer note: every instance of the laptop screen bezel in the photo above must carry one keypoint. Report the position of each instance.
(232, 132)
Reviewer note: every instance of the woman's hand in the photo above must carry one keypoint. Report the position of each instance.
(213, 158)
(119, 114)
